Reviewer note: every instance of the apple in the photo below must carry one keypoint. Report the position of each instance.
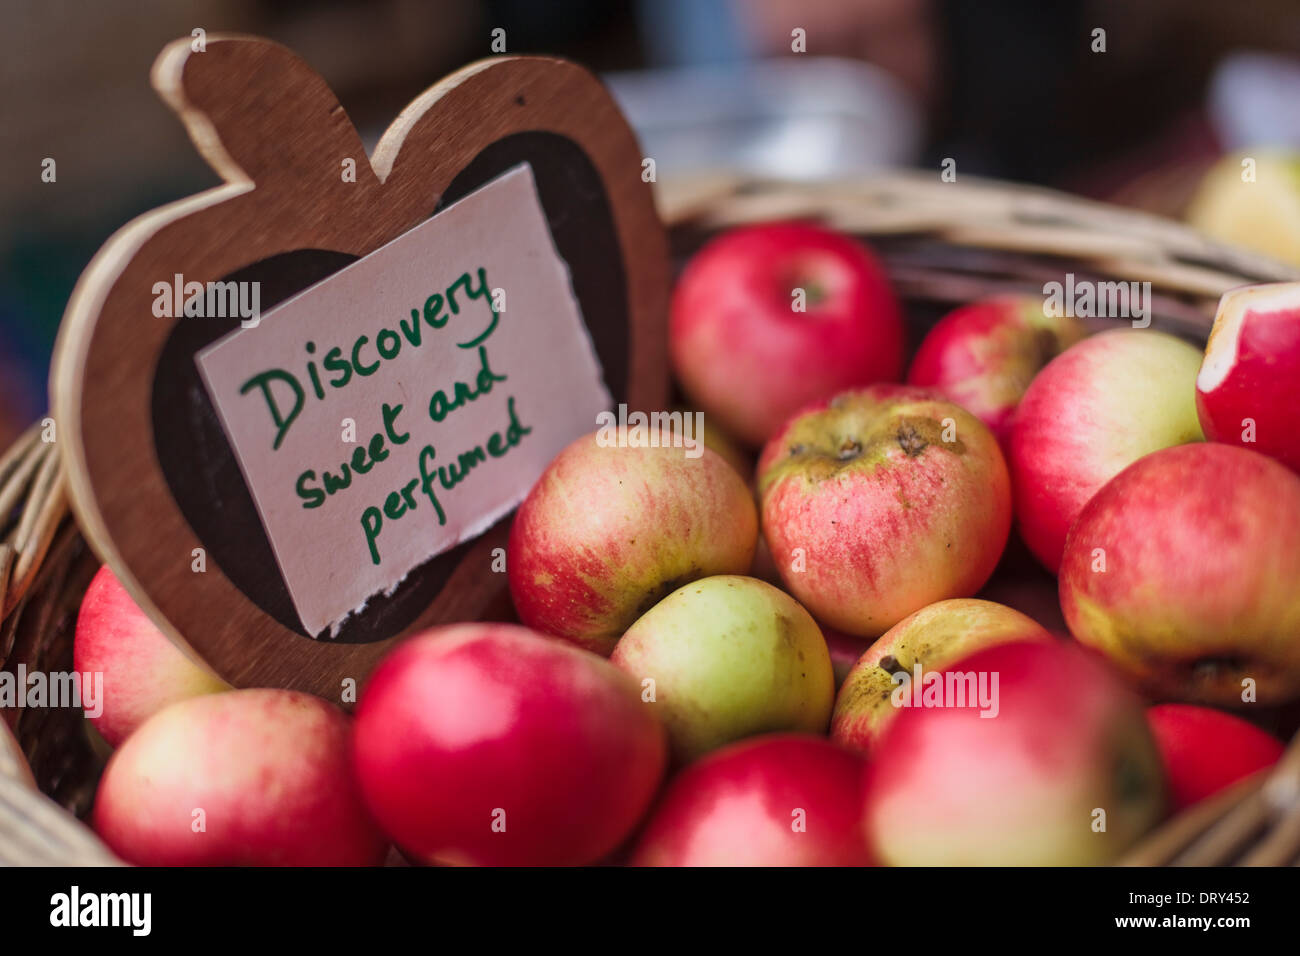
(984, 355)
(246, 778)
(768, 318)
(845, 649)
(1249, 383)
(931, 638)
(607, 531)
(1062, 772)
(726, 445)
(774, 800)
(729, 657)
(1183, 571)
(880, 501)
(488, 744)
(1260, 212)
(1206, 750)
(1096, 408)
(143, 670)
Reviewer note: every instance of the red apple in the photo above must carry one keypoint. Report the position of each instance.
(1206, 750)
(776, 800)
(729, 657)
(1055, 767)
(1095, 409)
(931, 638)
(608, 531)
(1183, 570)
(488, 744)
(246, 778)
(845, 649)
(881, 501)
(142, 670)
(768, 318)
(984, 355)
(1249, 384)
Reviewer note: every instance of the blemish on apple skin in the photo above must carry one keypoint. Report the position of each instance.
(911, 440)
(889, 664)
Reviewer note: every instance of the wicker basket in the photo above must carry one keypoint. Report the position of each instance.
(943, 243)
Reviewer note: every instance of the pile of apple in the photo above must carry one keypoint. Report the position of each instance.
(660, 703)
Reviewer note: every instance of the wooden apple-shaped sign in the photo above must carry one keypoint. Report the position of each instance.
(296, 409)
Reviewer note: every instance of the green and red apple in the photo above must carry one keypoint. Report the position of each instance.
(1248, 389)
(1095, 409)
(488, 744)
(143, 670)
(768, 318)
(246, 778)
(880, 501)
(774, 800)
(729, 657)
(1183, 570)
(984, 355)
(608, 531)
(929, 639)
(1059, 770)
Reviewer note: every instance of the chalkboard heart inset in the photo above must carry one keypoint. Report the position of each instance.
(151, 474)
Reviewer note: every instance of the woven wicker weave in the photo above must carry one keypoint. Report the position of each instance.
(943, 243)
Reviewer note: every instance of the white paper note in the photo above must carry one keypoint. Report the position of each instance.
(457, 360)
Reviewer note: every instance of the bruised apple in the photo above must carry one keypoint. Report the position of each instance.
(1205, 750)
(1095, 409)
(1035, 755)
(768, 318)
(608, 531)
(880, 501)
(775, 800)
(984, 355)
(1183, 569)
(729, 657)
(487, 744)
(246, 778)
(142, 670)
(1248, 388)
(928, 640)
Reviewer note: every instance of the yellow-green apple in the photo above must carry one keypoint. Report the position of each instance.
(489, 744)
(768, 318)
(1255, 204)
(246, 778)
(1183, 570)
(929, 639)
(729, 657)
(984, 355)
(880, 501)
(1055, 767)
(143, 670)
(1096, 408)
(1205, 750)
(607, 531)
(774, 800)
(1248, 388)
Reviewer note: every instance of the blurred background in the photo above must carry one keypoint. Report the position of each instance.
(1132, 101)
